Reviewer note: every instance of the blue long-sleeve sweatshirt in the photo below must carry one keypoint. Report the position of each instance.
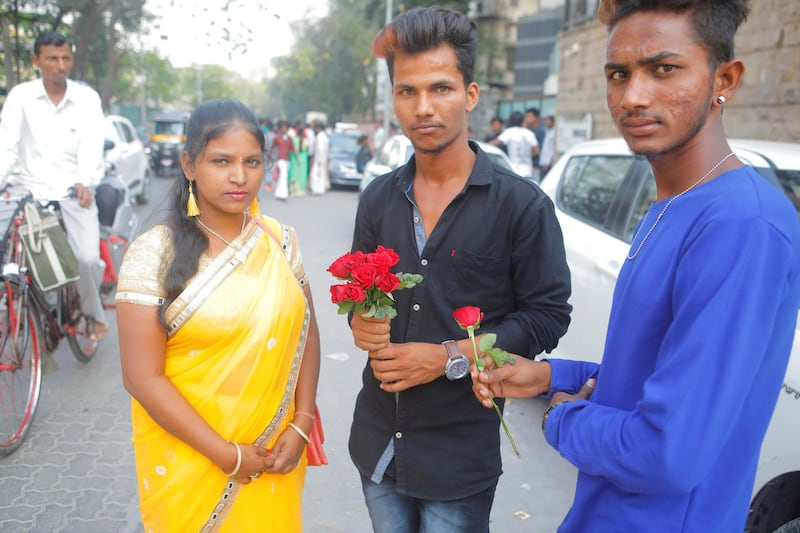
(698, 342)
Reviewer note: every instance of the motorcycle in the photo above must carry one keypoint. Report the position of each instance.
(167, 136)
(118, 225)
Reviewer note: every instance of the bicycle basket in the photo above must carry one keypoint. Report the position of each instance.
(51, 259)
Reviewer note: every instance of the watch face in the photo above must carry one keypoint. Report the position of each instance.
(457, 368)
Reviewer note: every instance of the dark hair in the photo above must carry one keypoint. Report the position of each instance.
(714, 21)
(533, 111)
(49, 38)
(208, 121)
(516, 119)
(425, 28)
(496, 119)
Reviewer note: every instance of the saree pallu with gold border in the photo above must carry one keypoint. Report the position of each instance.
(235, 345)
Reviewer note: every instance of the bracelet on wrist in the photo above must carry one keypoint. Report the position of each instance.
(547, 413)
(300, 432)
(238, 461)
(303, 413)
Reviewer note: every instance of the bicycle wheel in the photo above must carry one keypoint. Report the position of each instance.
(20, 366)
(78, 327)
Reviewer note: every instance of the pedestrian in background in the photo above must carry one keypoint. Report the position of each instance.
(364, 153)
(319, 166)
(427, 452)
(284, 149)
(548, 151)
(219, 344)
(705, 307)
(520, 143)
(495, 129)
(532, 116)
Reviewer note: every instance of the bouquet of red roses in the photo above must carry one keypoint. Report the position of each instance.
(369, 282)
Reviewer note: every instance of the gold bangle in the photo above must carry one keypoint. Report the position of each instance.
(300, 432)
(238, 460)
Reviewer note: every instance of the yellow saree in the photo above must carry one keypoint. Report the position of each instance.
(234, 350)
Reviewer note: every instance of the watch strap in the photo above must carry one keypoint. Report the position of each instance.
(452, 350)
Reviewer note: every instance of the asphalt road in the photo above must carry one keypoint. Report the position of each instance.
(75, 472)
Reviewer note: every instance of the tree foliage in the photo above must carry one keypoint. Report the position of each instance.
(331, 67)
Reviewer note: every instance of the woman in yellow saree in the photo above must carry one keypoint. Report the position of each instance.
(219, 344)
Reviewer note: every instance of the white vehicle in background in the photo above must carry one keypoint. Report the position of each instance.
(128, 157)
(600, 191)
(397, 150)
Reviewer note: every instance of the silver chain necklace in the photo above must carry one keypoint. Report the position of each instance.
(661, 214)
(217, 235)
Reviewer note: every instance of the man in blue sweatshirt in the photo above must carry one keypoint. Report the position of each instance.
(666, 432)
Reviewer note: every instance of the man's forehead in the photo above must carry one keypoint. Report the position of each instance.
(53, 50)
(651, 34)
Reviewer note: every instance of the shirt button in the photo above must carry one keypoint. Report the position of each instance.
(424, 262)
(415, 307)
(398, 435)
(416, 220)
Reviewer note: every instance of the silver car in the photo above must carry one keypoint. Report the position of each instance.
(397, 150)
(128, 157)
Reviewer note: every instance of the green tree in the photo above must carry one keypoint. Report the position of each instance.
(331, 67)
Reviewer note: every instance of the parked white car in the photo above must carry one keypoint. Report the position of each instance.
(600, 191)
(129, 157)
(397, 150)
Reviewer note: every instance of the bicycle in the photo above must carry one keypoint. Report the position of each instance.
(30, 320)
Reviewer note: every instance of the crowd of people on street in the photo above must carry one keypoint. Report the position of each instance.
(219, 344)
(530, 147)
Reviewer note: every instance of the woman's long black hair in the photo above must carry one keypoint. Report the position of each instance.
(208, 121)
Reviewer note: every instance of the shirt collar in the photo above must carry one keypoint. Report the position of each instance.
(481, 173)
(69, 95)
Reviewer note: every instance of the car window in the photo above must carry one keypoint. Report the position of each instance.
(590, 184)
(343, 144)
(645, 198)
(786, 180)
(125, 132)
(168, 128)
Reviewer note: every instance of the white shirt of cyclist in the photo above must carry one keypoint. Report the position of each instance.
(51, 147)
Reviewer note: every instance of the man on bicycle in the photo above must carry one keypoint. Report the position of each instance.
(52, 132)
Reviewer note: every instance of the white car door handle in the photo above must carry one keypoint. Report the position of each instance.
(610, 268)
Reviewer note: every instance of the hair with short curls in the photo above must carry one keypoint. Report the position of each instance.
(714, 21)
(425, 28)
(209, 120)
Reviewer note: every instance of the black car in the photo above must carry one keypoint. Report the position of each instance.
(342, 160)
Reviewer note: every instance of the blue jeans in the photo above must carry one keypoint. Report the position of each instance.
(392, 512)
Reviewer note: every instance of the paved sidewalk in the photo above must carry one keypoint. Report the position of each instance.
(75, 471)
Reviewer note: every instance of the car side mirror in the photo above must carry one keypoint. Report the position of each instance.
(108, 144)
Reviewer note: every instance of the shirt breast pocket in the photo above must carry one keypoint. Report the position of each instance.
(480, 281)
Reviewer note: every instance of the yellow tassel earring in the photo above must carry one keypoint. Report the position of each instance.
(191, 205)
(254, 209)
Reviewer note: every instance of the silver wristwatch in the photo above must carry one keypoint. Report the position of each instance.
(457, 365)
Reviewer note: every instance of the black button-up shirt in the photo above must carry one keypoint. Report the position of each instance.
(497, 246)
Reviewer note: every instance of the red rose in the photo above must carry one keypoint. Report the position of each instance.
(339, 267)
(355, 293)
(365, 275)
(338, 293)
(387, 282)
(354, 260)
(385, 257)
(468, 316)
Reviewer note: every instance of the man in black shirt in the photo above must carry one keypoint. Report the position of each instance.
(428, 453)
